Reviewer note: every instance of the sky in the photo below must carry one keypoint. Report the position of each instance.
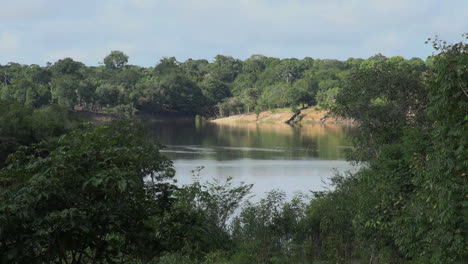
(41, 31)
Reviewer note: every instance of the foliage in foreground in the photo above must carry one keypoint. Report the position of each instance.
(88, 198)
(410, 200)
(22, 125)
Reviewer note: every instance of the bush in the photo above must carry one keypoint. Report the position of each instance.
(88, 197)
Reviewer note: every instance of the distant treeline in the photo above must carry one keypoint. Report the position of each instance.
(223, 87)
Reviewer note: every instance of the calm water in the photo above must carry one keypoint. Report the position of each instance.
(271, 156)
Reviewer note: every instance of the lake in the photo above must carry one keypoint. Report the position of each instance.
(270, 156)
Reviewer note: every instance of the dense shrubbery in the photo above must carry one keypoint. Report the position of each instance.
(24, 125)
(410, 199)
(90, 196)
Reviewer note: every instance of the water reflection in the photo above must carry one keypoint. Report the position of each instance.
(271, 156)
(186, 140)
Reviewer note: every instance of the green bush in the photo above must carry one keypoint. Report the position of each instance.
(90, 196)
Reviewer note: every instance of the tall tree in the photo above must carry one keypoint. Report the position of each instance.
(116, 60)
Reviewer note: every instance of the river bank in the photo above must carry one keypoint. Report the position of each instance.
(101, 117)
(281, 116)
(310, 115)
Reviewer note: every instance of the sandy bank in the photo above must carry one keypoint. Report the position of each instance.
(308, 115)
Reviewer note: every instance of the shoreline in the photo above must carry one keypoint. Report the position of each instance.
(309, 115)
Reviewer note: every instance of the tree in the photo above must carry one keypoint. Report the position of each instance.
(65, 81)
(225, 68)
(409, 199)
(290, 70)
(208, 209)
(327, 98)
(254, 64)
(385, 98)
(167, 66)
(438, 208)
(22, 125)
(67, 66)
(88, 198)
(14, 127)
(215, 90)
(86, 93)
(303, 92)
(116, 60)
(109, 95)
(230, 106)
(65, 90)
(195, 69)
(275, 96)
(269, 231)
(250, 98)
(180, 94)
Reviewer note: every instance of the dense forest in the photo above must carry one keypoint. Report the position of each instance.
(73, 192)
(223, 87)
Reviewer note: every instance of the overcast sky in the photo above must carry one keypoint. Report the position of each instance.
(38, 31)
